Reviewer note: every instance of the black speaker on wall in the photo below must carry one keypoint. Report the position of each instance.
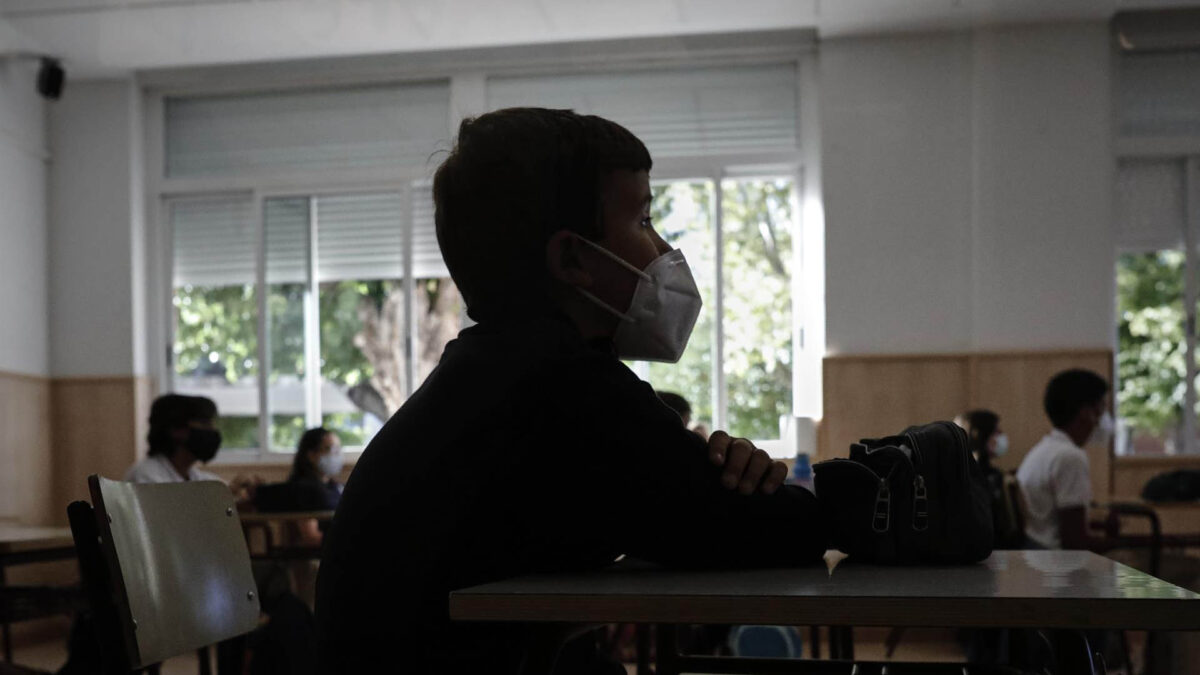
(50, 79)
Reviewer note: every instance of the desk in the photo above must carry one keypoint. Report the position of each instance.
(20, 545)
(265, 522)
(1035, 589)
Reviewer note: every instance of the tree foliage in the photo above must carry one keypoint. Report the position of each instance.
(757, 253)
(1151, 346)
(362, 329)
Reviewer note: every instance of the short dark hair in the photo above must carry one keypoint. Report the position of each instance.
(515, 177)
(310, 440)
(675, 402)
(1071, 391)
(172, 411)
(981, 424)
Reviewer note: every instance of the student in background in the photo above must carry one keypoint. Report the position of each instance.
(681, 406)
(1055, 476)
(182, 434)
(312, 485)
(531, 447)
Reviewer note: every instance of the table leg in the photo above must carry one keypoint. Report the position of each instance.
(642, 633)
(1073, 653)
(667, 656)
(4, 629)
(814, 641)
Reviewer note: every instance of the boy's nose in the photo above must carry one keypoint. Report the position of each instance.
(661, 244)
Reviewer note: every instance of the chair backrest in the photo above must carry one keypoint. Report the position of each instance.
(1014, 501)
(177, 566)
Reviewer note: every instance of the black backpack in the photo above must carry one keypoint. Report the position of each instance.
(918, 497)
(1182, 485)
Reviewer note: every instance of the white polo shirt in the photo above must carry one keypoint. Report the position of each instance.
(158, 469)
(1054, 475)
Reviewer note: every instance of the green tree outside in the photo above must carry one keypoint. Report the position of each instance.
(1151, 346)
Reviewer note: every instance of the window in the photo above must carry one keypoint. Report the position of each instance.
(342, 350)
(1157, 266)
(307, 286)
(739, 378)
(294, 308)
(1156, 296)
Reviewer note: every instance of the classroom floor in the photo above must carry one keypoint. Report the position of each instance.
(49, 655)
(917, 645)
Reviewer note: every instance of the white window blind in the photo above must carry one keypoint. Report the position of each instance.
(286, 221)
(324, 130)
(213, 240)
(360, 236)
(1159, 95)
(675, 112)
(427, 257)
(1150, 203)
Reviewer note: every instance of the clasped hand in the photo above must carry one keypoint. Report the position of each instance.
(747, 469)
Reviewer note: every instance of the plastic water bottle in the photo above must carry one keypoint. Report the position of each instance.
(802, 472)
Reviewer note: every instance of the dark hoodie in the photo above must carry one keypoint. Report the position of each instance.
(526, 450)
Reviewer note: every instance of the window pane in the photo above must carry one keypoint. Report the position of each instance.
(758, 224)
(360, 264)
(1151, 351)
(362, 356)
(215, 310)
(682, 214)
(287, 240)
(438, 310)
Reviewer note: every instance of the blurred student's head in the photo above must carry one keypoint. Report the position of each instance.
(318, 455)
(184, 423)
(519, 188)
(1076, 403)
(679, 404)
(983, 430)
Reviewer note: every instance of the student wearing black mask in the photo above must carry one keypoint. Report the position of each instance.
(182, 434)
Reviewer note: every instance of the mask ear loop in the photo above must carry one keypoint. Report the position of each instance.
(617, 259)
(614, 257)
(605, 306)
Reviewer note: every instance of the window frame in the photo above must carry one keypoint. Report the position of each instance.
(468, 94)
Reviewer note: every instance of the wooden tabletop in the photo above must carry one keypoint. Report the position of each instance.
(1045, 589)
(23, 538)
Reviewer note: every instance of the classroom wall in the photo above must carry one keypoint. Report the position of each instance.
(100, 391)
(967, 185)
(25, 457)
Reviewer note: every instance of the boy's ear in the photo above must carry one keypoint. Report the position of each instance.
(562, 260)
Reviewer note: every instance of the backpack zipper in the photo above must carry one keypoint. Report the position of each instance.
(920, 518)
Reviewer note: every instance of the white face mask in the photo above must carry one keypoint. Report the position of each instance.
(1001, 445)
(1103, 432)
(662, 311)
(331, 465)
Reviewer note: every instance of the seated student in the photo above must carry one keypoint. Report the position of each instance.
(681, 406)
(531, 447)
(182, 434)
(988, 442)
(1055, 477)
(311, 486)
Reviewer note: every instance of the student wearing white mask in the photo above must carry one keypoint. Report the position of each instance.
(1055, 476)
(531, 447)
(988, 443)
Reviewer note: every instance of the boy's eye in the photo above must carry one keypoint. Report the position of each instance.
(647, 221)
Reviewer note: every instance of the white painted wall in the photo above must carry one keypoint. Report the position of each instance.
(967, 183)
(23, 271)
(96, 285)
